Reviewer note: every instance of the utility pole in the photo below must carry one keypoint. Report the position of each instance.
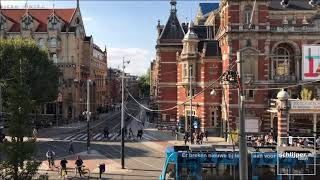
(242, 144)
(190, 93)
(88, 115)
(122, 113)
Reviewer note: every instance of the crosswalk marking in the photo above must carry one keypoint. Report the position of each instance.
(100, 137)
(83, 137)
(94, 137)
(75, 137)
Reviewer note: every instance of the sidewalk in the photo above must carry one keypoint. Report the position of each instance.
(90, 161)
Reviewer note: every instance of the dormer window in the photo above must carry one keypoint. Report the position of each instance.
(2, 23)
(54, 23)
(55, 58)
(27, 22)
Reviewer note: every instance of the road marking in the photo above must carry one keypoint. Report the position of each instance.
(113, 135)
(100, 137)
(153, 138)
(75, 137)
(94, 137)
(83, 137)
(67, 138)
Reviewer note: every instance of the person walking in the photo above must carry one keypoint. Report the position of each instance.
(79, 164)
(130, 133)
(71, 149)
(186, 137)
(206, 133)
(63, 164)
(50, 157)
(106, 132)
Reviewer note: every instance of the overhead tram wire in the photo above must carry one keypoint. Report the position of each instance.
(168, 109)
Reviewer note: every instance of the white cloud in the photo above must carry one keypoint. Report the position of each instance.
(87, 19)
(139, 59)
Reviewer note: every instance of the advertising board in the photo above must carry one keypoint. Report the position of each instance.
(310, 62)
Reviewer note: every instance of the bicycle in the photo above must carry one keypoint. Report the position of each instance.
(85, 172)
(62, 174)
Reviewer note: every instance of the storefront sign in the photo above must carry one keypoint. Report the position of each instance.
(311, 62)
(312, 105)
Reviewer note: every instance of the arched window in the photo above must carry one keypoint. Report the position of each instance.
(247, 14)
(55, 58)
(53, 42)
(41, 43)
(281, 61)
(284, 67)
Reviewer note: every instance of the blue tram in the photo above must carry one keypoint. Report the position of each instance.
(222, 162)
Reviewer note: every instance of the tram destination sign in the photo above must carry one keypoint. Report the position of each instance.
(311, 105)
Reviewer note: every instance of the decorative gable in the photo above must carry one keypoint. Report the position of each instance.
(54, 23)
(27, 22)
(3, 22)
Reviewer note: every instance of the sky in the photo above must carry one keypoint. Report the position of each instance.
(127, 28)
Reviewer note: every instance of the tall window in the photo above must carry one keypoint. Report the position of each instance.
(41, 43)
(53, 42)
(247, 15)
(281, 62)
(185, 70)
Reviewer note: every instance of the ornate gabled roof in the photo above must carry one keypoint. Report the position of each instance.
(41, 15)
(172, 29)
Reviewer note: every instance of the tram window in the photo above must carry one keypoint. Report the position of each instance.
(170, 173)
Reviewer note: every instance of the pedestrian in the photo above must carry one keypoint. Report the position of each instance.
(125, 132)
(173, 130)
(50, 157)
(130, 133)
(63, 164)
(141, 134)
(206, 133)
(318, 142)
(185, 137)
(106, 132)
(79, 164)
(71, 149)
(35, 133)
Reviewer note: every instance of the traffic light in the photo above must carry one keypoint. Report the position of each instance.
(285, 3)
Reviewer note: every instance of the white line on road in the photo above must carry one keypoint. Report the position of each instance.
(99, 138)
(153, 138)
(83, 137)
(94, 137)
(75, 137)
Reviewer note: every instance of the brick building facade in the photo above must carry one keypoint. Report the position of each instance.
(271, 46)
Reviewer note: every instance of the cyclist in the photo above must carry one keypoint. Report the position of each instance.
(63, 164)
(50, 156)
(79, 164)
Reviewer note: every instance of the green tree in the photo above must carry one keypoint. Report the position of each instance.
(30, 79)
(144, 84)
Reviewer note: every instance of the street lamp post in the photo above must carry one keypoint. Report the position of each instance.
(122, 113)
(242, 140)
(88, 113)
(190, 93)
